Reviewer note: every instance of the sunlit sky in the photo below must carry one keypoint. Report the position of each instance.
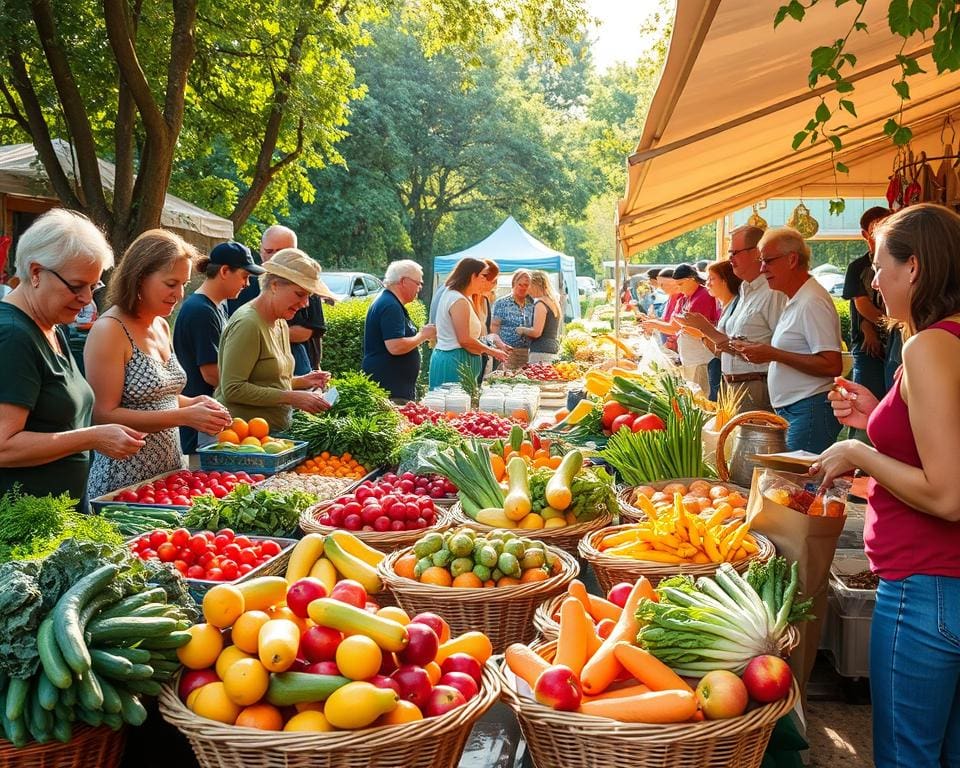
(616, 38)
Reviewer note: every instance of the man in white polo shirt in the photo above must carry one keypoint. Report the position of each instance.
(805, 351)
(753, 318)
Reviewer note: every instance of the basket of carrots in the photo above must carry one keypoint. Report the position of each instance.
(602, 612)
(673, 540)
(699, 495)
(580, 698)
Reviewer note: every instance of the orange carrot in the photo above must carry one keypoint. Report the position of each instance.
(526, 449)
(572, 639)
(603, 609)
(577, 589)
(594, 641)
(653, 707)
(603, 667)
(525, 663)
(616, 693)
(648, 669)
(497, 465)
(605, 627)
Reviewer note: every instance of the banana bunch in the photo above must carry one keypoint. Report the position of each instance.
(336, 556)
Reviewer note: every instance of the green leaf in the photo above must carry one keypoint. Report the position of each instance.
(838, 3)
(844, 86)
(902, 136)
(859, 26)
(902, 89)
(798, 139)
(796, 10)
(823, 112)
(890, 127)
(781, 15)
(822, 58)
(922, 13)
(910, 65)
(898, 17)
(842, 168)
(810, 125)
(850, 59)
(837, 206)
(836, 141)
(814, 136)
(848, 105)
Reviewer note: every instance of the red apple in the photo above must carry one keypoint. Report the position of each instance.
(421, 647)
(463, 662)
(437, 623)
(383, 681)
(195, 678)
(721, 694)
(323, 668)
(302, 592)
(320, 644)
(350, 592)
(414, 684)
(619, 592)
(442, 699)
(462, 682)
(558, 687)
(389, 663)
(768, 678)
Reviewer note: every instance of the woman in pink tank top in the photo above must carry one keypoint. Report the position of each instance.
(912, 532)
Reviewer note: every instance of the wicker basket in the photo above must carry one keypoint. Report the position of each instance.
(388, 541)
(88, 748)
(504, 614)
(631, 514)
(543, 617)
(437, 742)
(611, 569)
(580, 741)
(566, 538)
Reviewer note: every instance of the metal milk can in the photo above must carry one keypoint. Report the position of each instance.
(759, 432)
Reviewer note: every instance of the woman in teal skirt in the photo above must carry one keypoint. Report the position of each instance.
(459, 330)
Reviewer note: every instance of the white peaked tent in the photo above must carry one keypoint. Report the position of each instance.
(513, 248)
(22, 173)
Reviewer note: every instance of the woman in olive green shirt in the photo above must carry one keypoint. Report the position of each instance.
(45, 403)
(256, 365)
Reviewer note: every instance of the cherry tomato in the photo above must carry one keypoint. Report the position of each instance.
(195, 572)
(198, 544)
(167, 552)
(231, 551)
(242, 541)
(214, 574)
(158, 537)
(270, 548)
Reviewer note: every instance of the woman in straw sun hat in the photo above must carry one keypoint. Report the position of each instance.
(256, 364)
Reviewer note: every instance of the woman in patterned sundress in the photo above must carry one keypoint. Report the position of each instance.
(132, 369)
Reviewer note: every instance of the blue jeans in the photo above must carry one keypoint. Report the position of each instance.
(915, 673)
(713, 373)
(301, 360)
(869, 371)
(812, 426)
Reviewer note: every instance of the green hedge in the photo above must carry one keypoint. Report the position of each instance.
(343, 341)
(843, 309)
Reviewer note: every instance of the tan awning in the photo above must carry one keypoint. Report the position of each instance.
(733, 94)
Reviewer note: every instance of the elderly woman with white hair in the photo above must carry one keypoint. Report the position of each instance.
(805, 351)
(391, 342)
(46, 406)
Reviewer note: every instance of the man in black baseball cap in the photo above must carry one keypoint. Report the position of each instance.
(201, 320)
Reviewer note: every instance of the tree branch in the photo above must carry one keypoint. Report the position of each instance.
(123, 146)
(14, 114)
(183, 47)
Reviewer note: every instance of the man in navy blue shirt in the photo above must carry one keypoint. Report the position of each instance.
(391, 354)
(202, 317)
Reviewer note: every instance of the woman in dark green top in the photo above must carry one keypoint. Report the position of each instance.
(45, 403)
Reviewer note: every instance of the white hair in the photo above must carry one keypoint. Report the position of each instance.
(58, 237)
(397, 270)
(787, 240)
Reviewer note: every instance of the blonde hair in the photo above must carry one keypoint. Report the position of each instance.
(787, 240)
(153, 251)
(542, 282)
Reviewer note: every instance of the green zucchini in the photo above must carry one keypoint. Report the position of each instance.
(54, 666)
(123, 628)
(129, 603)
(66, 616)
(288, 688)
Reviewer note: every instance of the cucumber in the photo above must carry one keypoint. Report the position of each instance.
(39, 720)
(17, 691)
(47, 693)
(113, 721)
(92, 717)
(141, 672)
(127, 604)
(62, 730)
(15, 730)
(68, 696)
(63, 712)
(153, 609)
(122, 628)
(89, 692)
(134, 655)
(288, 688)
(109, 664)
(176, 639)
(54, 666)
(111, 698)
(132, 711)
(148, 687)
(66, 616)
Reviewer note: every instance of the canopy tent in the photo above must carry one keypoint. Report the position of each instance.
(22, 174)
(734, 92)
(513, 248)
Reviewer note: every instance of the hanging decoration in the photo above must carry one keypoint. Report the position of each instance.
(756, 220)
(802, 220)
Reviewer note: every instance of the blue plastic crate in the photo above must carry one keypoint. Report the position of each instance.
(263, 463)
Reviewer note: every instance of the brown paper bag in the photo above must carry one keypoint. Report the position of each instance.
(811, 542)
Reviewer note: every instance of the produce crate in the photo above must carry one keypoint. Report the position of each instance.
(849, 617)
(574, 740)
(264, 463)
(631, 514)
(111, 498)
(435, 742)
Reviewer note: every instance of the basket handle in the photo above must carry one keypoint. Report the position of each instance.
(750, 417)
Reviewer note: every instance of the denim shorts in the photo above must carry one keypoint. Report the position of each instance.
(813, 426)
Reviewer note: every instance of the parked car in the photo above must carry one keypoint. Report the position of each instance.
(352, 285)
(586, 286)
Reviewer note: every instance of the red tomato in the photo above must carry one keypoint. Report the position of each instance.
(231, 551)
(181, 566)
(219, 491)
(624, 420)
(167, 552)
(242, 541)
(648, 422)
(247, 556)
(245, 568)
(180, 500)
(214, 574)
(198, 544)
(230, 569)
(126, 495)
(158, 537)
(221, 541)
(195, 572)
(270, 548)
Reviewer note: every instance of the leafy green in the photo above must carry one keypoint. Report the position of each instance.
(771, 580)
(21, 611)
(32, 527)
(258, 512)
(369, 438)
(358, 395)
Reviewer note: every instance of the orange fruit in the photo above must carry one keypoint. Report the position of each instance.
(672, 488)
(246, 630)
(266, 717)
(433, 672)
(227, 658)
(250, 441)
(308, 720)
(246, 681)
(404, 712)
(258, 428)
(533, 574)
(212, 702)
(203, 648)
(700, 487)
(735, 499)
(719, 491)
(222, 605)
(404, 566)
(648, 490)
(507, 581)
(468, 580)
(358, 657)
(240, 427)
(228, 436)
(266, 440)
(439, 577)
(394, 612)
